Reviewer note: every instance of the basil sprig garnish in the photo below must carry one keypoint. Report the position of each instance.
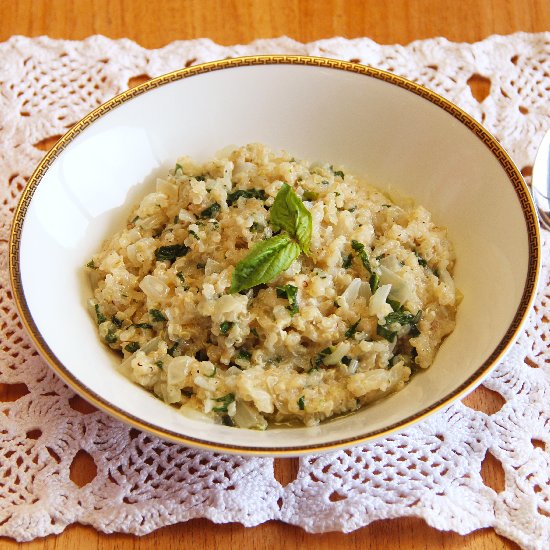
(269, 258)
(266, 260)
(289, 213)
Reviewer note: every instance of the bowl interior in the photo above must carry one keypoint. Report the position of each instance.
(400, 141)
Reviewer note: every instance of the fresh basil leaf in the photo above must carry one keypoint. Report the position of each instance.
(289, 213)
(264, 262)
(289, 292)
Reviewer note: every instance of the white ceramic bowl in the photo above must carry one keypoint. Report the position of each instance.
(399, 135)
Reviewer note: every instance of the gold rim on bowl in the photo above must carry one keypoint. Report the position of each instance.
(495, 148)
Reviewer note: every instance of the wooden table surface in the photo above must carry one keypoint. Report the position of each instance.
(156, 23)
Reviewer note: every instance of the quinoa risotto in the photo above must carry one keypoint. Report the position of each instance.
(257, 289)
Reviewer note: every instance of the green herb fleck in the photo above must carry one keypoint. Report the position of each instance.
(233, 197)
(310, 196)
(180, 276)
(347, 261)
(191, 232)
(100, 317)
(389, 335)
(346, 360)
(132, 347)
(200, 178)
(395, 305)
(317, 361)
(374, 282)
(157, 315)
(91, 265)
(135, 219)
(116, 322)
(172, 350)
(301, 403)
(244, 354)
(111, 337)
(403, 318)
(179, 168)
(213, 372)
(337, 173)
(171, 252)
(360, 249)
(226, 400)
(225, 327)
(143, 325)
(421, 260)
(350, 333)
(289, 292)
(160, 365)
(211, 212)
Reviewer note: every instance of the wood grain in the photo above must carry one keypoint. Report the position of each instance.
(155, 24)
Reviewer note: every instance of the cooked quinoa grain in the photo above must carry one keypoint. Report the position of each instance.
(366, 301)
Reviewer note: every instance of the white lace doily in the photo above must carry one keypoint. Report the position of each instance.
(431, 470)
